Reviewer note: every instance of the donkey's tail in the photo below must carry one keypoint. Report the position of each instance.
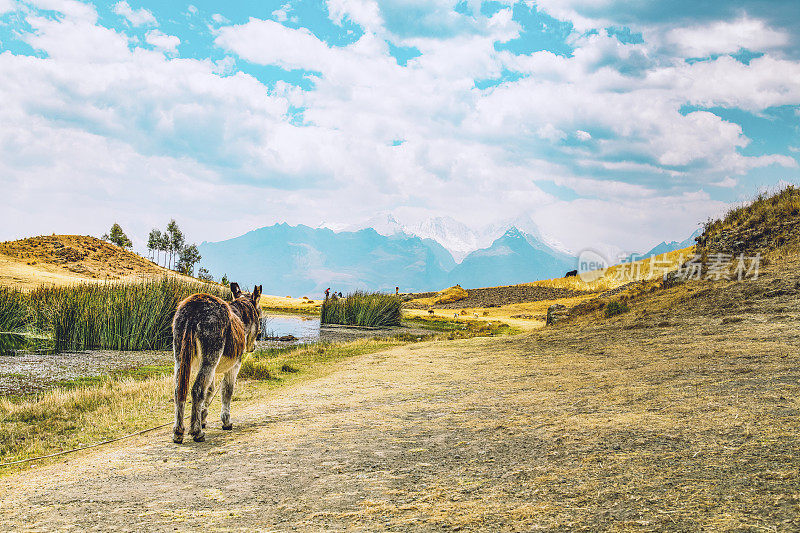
(185, 363)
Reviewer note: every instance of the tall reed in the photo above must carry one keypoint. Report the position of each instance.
(361, 308)
(113, 315)
(13, 310)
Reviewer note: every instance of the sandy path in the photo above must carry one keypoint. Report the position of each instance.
(326, 453)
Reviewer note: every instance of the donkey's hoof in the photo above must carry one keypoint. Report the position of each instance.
(200, 437)
(177, 439)
(227, 427)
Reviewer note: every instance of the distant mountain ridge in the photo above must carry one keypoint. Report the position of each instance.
(301, 260)
(516, 257)
(458, 238)
(665, 247)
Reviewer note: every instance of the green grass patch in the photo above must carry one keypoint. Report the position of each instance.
(361, 308)
(14, 314)
(114, 315)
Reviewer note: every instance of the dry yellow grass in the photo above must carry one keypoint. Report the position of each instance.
(67, 259)
(617, 275)
(446, 296)
(288, 304)
(531, 315)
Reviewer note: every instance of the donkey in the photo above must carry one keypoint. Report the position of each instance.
(210, 335)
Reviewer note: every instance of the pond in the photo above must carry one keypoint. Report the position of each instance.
(304, 328)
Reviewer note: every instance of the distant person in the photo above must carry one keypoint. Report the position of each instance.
(327, 293)
(340, 294)
(397, 291)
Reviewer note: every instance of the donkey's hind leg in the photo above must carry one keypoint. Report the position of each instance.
(204, 378)
(178, 429)
(228, 383)
(212, 390)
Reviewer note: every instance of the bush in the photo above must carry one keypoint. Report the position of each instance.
(615, 307)
(361, 308)
(253, 368)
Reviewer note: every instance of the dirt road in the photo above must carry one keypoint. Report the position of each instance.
(658, 427)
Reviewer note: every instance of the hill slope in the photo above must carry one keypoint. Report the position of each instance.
(65, 259)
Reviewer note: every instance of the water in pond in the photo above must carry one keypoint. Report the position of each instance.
(303, 328)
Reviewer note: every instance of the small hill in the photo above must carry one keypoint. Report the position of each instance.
(766, 224)
(62, 259)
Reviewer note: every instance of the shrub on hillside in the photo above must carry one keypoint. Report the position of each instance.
(615, 307)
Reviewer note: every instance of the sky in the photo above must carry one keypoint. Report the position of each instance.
(625, 122)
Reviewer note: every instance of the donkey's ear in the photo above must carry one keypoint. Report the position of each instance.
(235, 289)
(256, 293)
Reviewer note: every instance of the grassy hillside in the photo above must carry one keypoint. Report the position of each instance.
(68, 259)
(768, 223)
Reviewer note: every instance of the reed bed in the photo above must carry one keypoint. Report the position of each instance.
(14, 314)
(113, 315)
(362, 308)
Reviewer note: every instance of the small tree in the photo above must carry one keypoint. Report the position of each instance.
(118, 237)
(189, 256)
(224, 279)
(154, 242)
(163, 244)
(176, 240)
(204, 274)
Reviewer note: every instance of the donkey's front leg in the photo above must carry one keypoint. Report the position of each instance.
(228, 382)
(204, 377)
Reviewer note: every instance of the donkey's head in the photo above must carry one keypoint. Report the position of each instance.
(251, 312)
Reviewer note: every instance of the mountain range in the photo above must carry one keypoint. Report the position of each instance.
(431, 255)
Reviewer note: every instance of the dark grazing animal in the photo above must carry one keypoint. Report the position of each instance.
(210, 335)
(571, 273)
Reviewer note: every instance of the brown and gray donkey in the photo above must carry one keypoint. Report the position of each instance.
(210, 335)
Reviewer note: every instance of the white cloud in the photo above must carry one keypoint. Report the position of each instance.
(365, 13)
(727, 182)
(219, 19)
(267, 42)
(196, 136)
(282, 14)
(723, 37)
(551, 133)
(162, 41)
(137, 17)
(7, 5)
